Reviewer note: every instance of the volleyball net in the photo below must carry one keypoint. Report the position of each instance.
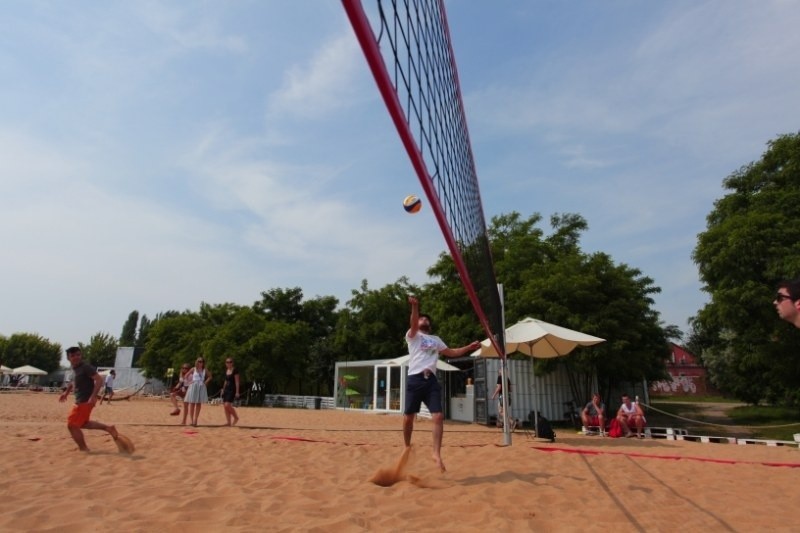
(409, 51)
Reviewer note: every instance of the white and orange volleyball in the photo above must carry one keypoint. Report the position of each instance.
(412, 204)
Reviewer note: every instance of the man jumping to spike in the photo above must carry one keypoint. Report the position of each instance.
(422, 384)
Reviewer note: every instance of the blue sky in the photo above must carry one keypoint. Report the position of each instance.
(155, 155)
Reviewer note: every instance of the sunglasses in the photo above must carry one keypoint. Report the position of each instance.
(781, 297)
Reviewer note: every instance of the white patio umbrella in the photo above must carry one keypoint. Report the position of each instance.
(5, 370)
(29, 370)
(541, 340)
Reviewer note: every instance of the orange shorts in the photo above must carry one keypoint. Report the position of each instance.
(79, 415)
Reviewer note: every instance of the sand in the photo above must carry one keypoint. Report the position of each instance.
(307, 470)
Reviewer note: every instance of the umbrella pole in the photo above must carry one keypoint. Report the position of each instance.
(504, 366)
(506, 392)
(535, 397)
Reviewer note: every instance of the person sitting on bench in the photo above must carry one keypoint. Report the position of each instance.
(630, 415)
(594, 414)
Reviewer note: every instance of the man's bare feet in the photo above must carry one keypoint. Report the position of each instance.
(440, 464)
(236, 421)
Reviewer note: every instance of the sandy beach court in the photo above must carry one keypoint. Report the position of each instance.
(306, 470)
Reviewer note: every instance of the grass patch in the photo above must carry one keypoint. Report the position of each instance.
(686, 410)
(748, 416)
(767, 415)
(691, 399)
(677, 411)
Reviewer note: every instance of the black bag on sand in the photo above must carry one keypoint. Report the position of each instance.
(545, 430)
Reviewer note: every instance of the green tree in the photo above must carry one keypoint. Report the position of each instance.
(550, 278)
(128, 335)
(101, 350)
(379, 320)
(174, 340)
(30, 349)
(3, 344)
(232, 339)
(144, 329)
(752, 241)
(314, 370)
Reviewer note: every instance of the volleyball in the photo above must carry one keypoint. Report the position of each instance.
(412, 204)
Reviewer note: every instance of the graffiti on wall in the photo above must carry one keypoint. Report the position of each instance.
(678, 384)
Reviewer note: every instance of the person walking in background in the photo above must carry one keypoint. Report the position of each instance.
(787, 301)
(179, 391)
(86, 383)
(422, 384)
(230, 392)
(498, 393)
(197, 392)
(108, 392)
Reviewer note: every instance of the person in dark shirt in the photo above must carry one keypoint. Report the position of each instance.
(86, 383)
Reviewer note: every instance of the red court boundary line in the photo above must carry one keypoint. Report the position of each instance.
(672, 457)
(304, 439)
(292, 438)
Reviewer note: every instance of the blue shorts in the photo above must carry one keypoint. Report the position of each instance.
(419, 389)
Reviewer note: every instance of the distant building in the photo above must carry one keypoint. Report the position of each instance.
(129, 375)
(688, 376)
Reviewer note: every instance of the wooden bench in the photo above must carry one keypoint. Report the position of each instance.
(706, 439)
(768, 442)
(665, 432)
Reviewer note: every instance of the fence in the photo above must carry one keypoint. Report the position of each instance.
(302, 402)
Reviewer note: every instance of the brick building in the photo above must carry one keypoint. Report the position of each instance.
(688, 376)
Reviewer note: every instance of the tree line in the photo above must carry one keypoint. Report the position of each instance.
(286, 343)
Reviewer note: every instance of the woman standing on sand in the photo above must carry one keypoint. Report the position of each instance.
(230, 391)
(197, 393)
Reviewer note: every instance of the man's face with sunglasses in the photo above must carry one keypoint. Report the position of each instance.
(786, 306)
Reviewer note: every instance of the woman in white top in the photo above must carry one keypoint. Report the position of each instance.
(197, 393)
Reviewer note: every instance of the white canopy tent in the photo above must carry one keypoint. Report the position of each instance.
(4, 371)
(29, 370)
(378, 385)
(26, 372)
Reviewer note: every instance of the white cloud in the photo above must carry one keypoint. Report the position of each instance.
(189, 28)
(155, 155)
(322, 86)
